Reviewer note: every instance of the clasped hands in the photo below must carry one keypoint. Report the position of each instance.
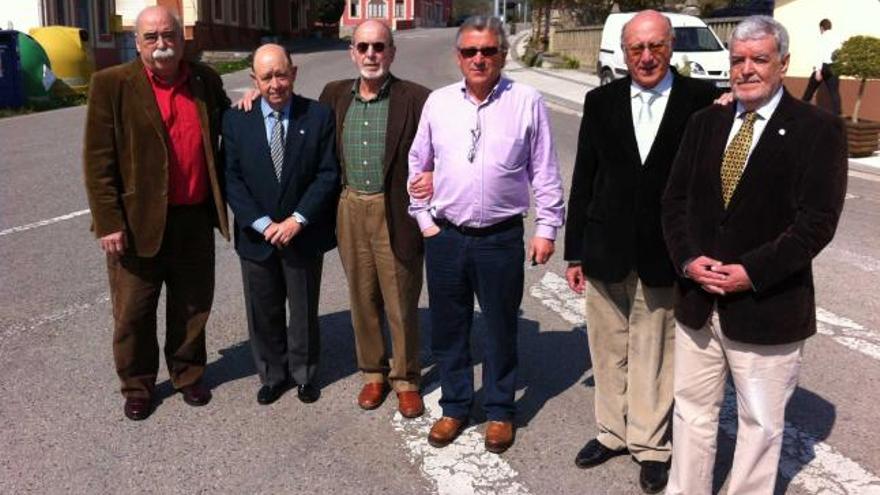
(280, 234)
(717, 278)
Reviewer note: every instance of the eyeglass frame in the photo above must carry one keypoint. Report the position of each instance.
(482, 50)
(656, 48)
(362, 46)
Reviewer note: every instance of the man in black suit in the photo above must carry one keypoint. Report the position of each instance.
(282, 183)
(629, 136)
(754, 195)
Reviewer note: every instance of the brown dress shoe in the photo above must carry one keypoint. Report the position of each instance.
(499, 436)
(445, 430)
(410, 404)
(196, 394)
(372, 395)
(138, 408)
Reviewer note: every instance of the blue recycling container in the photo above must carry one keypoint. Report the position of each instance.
(11, 84)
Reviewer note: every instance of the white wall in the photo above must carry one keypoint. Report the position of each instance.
(801, 19)
(23, 14)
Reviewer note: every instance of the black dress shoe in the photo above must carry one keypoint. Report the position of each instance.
(307, 393)
(270, 393)
(138, 408)
(196, 394)
(594, 453)
(653, 476)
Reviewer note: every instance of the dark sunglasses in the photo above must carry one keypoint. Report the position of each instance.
(471, 51)
(363, 46)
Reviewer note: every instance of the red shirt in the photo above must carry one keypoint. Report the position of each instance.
(187, 166)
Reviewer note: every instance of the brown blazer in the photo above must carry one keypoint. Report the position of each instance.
(125, 156)
(783, 212)
(405, 109)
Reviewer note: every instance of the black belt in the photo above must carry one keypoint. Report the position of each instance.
(501, 226)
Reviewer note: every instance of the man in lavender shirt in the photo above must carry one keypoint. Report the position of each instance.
(486, 139)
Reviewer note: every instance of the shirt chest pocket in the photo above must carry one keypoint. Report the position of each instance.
(508, 152)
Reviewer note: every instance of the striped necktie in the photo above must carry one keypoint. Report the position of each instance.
(277, 144)
(735, 156)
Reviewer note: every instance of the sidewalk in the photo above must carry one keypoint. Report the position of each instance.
(567, 87)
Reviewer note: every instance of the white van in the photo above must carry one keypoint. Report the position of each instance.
(696, 46)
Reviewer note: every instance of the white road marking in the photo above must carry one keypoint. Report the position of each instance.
(808, 462)
(861, 261)
(17, 329)
(848, 333)
(461, 468)
(41, 223)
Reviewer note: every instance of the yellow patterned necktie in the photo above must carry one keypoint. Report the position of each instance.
(735, 156)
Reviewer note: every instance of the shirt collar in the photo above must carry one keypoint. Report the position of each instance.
(182, 76)
(661, 89)
(383, 91)
(267, 110)
(499, 88)
(766, 110)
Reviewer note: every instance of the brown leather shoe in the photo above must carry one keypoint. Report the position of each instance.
(196, 394)
(445, 430)
(138, 408)
(499, 436)
(410, 404)
(372, 395)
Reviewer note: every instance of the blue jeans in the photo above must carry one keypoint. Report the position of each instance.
(457, 267)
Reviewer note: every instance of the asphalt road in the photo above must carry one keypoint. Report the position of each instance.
(62, 425)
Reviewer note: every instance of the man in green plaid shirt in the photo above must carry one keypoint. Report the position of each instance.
(380, 245)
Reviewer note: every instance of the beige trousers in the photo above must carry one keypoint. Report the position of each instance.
(764, 376)
(631, 329)
(378, 281)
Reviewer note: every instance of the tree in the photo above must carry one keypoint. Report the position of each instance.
(859, 57)
(328, 11)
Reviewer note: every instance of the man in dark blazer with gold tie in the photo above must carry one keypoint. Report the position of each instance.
(153, 177)
(754, 195)
(629, 136)
(380, 245)
(282, 183)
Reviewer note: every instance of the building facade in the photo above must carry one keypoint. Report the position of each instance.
(398, 14)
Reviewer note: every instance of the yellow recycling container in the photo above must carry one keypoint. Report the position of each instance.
(70, 55)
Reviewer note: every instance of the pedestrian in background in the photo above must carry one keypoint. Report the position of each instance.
(152, 180)
(487, 140)
(379, 243)
(629, 136)
(282, 181)
(754, 195)
(828, 43)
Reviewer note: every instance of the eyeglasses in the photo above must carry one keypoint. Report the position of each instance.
(471, 51)
(655, 48)
(363, 46)
(476, 132)
(152, 38)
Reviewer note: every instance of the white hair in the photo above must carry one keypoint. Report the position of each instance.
(761, 26)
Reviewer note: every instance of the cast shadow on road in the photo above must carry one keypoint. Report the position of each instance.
(809, 419)
(550, 361)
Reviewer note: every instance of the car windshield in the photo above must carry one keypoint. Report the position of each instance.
(695, 39)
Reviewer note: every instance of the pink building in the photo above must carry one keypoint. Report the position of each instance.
(398, 14)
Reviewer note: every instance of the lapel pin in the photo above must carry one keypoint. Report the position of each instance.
(302, 131)
(782, 132)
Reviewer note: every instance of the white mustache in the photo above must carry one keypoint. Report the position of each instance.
(163, 53)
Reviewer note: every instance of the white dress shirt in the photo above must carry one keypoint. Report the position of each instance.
(828, 44)
(646, 121)
(764, 112)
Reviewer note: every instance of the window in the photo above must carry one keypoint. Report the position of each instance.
(252, 13)
(264, 4)
(218, 10)
(103, 17)
(353, 8)
(376, 8)
(399, 9)
(294, 15)
(233, 11)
